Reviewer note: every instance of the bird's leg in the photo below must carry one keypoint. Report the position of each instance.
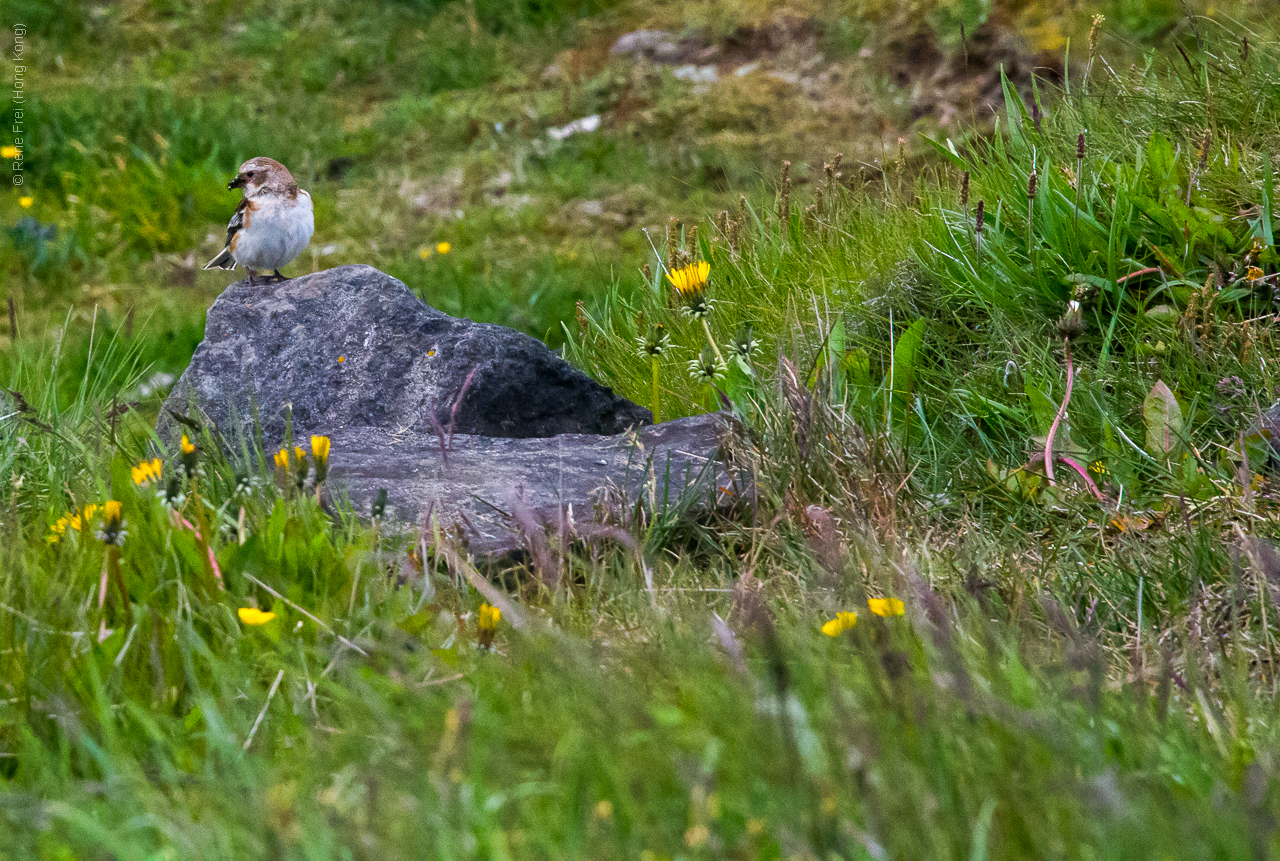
(252, 275)
(280, 277)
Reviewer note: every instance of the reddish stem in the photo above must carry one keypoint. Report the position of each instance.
(1062, 411)
(1150, 270)
(1083, 474)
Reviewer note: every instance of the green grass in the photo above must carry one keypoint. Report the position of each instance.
(1071, 677)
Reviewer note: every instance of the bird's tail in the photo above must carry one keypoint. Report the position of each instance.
(224, 260)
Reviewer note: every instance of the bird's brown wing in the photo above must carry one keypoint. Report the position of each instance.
(239, 221)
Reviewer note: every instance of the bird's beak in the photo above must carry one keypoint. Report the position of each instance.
(238, 182)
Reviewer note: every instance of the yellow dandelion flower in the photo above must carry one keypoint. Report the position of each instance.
(690, 279)
(253, 616)
(8, 152)
(841, 623)
(487, 625)
(26, 201)
(58, 529)
(111, 512)
(187, 446)
(443, 248)
(147, 471)
(281, 459)
(1254, 274)
(424, 252)
(885, 607)
(320, 451)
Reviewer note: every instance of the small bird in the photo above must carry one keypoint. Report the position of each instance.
(272, 224)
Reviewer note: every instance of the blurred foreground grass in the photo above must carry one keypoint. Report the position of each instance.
(1083, 669)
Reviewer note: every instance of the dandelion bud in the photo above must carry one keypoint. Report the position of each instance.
(706, 368)
(1072, 323)
(744, 345)
(301, 465)
(655, 343)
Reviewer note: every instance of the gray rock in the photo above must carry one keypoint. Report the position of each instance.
(494, 493)
(654, 44)
(352, 347)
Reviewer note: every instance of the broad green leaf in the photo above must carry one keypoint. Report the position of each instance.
(1163, 418)
(1042, 409)
(906, 354)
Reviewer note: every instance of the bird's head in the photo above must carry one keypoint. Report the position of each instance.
(259, 174)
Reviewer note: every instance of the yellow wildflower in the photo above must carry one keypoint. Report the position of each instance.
(26, 201)
(112, 523)
(841, 623)
(74, 521)
(254, 616)
(147, 471)
(8, 152)
(443, 248)
(1254, 274)
(320, 452)
(281, 459)
(487, 624)
(885, 607)
(690, 279)
(489, 617)
(188, 456)
(424, 252)
(604, 809)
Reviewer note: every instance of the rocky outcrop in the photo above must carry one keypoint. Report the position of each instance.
(353, 347)
(495, 494)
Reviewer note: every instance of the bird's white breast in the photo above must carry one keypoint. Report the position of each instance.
(279, 228)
